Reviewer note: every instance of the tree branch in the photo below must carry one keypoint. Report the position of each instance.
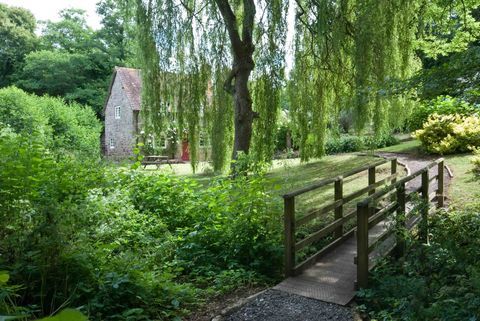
(231, 23)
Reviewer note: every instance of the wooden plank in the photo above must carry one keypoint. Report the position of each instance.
(289, 222)
(338, 194)
(398, 183)
(380, 215)
(311, 188)
(393, 168)
(332, 180)
(369, 188)
(362, 245)
(440, 188)
(324, 251)
(330, 228)
(371, 179)
(426, 200)
(401, 220)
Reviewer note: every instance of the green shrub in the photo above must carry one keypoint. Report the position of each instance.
(344, 144)
(350, 143)
(62, 128)
(442, 105)
(446, 134)
(438, 281)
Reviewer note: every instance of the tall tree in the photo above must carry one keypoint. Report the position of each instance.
(194, 42)
(118, 31)
(17, 38)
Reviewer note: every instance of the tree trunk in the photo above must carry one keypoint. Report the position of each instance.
(244, 115)
(242, 50)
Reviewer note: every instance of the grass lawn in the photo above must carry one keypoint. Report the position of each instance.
(407, 147)
(464, 188)
(290, 174)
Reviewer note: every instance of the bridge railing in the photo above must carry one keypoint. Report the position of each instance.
(369, 214)
(337, 205)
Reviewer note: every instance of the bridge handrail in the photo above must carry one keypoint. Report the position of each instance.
(327, 181)
(365, 221)
(336, 227)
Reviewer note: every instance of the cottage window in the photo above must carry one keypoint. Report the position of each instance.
(111, 143)
(117, 112)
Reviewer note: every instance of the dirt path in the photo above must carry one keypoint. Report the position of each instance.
(415, 163)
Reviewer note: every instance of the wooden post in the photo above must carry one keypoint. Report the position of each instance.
(393, 169)
(362, 245)
(339, 210)
(441, 173)
(371, 179)
(401, 220)
(289, 221)
(425, 207)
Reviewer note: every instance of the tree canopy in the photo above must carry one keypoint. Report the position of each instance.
(68, 59)
(17, 38)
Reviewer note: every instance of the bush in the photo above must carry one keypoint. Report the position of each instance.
(447, 134)
(349, 143)
(438, 281)
(62, 128)
(344, 144)
(442, 105)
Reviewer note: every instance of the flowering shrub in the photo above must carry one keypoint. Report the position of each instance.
(446, 134)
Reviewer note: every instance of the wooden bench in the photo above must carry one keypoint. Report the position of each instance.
(155, 160)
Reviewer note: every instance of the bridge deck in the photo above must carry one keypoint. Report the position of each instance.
(331, 279)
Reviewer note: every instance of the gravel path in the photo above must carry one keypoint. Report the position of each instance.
(273, 305)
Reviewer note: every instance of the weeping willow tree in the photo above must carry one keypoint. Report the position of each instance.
(221, 64)
(200, 56)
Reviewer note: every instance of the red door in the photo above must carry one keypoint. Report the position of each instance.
(185, 152)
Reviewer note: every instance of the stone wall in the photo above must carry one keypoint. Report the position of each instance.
(121, 130)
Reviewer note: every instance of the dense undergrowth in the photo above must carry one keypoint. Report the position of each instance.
(124, 245)
(436, 281)
(119, 244)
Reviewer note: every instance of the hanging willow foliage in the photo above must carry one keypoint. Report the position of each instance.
(348, 55)
(268, 79)
(187, 44)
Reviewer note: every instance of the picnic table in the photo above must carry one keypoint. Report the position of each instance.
(156, 160)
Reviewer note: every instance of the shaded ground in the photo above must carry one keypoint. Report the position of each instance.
(280, 306)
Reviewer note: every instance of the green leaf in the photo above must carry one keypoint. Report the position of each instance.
(67, 315)
(4, 277)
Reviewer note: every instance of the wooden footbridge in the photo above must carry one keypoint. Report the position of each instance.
(330, 261)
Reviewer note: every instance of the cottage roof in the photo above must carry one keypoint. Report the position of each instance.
(131, 84)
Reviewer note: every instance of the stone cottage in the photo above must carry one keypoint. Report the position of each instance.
(123, 122)
(121, 112)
